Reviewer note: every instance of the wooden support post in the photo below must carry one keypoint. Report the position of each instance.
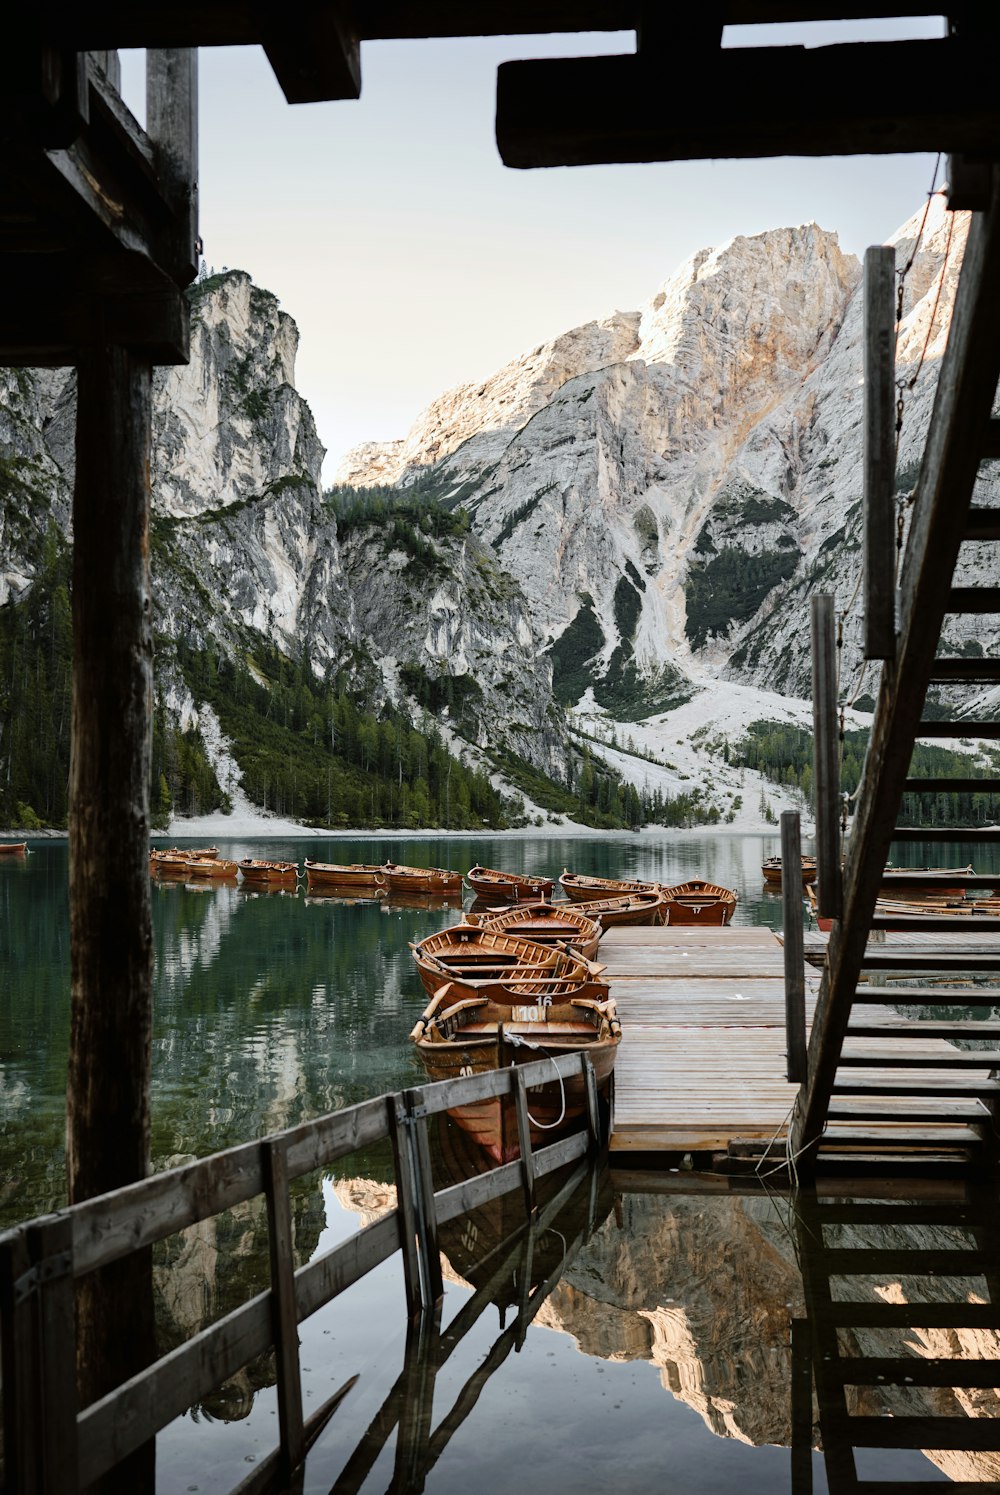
(880, 452)
(50, 1245)
(826, 764)
(802, 1408)
(593, 1107)
(795, 976)
(172, 126)
(19, 1366)
(285, 1321)
(524, 1139)
(402, 1153)
(427, 1229)
(110, 920)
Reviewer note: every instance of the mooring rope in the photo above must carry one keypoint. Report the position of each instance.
(518, 1041)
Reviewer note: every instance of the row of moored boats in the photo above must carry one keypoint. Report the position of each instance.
(521, 981)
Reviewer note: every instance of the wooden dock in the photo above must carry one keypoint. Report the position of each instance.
(702, 1059)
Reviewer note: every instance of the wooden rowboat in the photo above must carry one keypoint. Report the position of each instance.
(894, 878)
(459, 1035)
(546, 924)
(13, 848)
(581, 889)
(626, 908)
(344, 875)
(187, 854)
(421, 879)
(699, 902)
(507, 887)
(262, 873)
(475, 961)
(217, 868)
(771, 869)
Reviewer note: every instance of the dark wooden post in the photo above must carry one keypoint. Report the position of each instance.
(110, 924)
(172, 125)
(802, 1408)
(795, 979)
(826, 766)
(880, 453)
(274, 1156)
(523, 1138)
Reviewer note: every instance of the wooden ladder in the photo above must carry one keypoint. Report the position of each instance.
(880, 1085)
(874, 1388)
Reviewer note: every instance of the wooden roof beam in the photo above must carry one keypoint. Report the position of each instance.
(766, 101)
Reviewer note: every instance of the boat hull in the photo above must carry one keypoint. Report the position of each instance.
(332, 875)
(633, 909)
(581, 889)
(699, 902)
(13, 848)
(499, 887)
(425, 880)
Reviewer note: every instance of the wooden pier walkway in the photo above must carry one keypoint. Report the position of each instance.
(702, 1059)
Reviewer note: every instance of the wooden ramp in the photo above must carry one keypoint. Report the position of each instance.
(702, 1059)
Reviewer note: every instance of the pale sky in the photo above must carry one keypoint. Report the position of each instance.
(412, 259)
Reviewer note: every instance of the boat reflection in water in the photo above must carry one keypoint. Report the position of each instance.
(513, 1264)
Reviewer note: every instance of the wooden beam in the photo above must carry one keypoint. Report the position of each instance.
(880, 452)
(962, 405)
(795, 977)
(111, 943)
(172, 126)
(766, 101)
(826, 761)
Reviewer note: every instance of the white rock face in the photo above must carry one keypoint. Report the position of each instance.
(696, 475)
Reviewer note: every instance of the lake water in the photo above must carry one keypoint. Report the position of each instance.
(660, 1359)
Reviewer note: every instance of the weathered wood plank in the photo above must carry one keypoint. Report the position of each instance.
(172, 126)
(795, 977)
(767, 102)
(320, 1280)
(283, 1305)
(879, 456)
(826, 761)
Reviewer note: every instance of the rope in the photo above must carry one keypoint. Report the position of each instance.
(518, 1041)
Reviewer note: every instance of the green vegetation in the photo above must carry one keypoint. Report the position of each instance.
(730, 587)
(573, 651)
(36, 653)
(784, 754)
(409, 519)
(310, 749)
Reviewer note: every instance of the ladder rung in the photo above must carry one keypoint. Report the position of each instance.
(862, 1261)
(983, 524)
(904, 1113)
(885, 959)
(968, 1433)
(945, 670)
(901, 1028)
(973, 600)
(873, 1315)
(913, 1370)
(958, 729)
(959, 1059)
(858, 1085)
(937, 923)
(929, 996)
(952, 786)
(899, 1135)
(946, 833)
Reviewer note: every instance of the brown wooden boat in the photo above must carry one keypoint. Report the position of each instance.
(218, 869)
(546, 924)
(359, 875)
(911, 878)
(187, 854)
(771, 869)
(13, 848)
(507, 887)
(504, 968)
(460, 1035)
(262, 873)
(699, 902)
(581, 889)
(626, 908)
(421, 879)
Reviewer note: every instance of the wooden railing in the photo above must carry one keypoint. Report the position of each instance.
(52, 1447)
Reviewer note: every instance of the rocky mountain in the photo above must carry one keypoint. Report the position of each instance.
(250, 567)
(694, 466)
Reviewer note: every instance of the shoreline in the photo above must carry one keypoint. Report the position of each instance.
(223, 828)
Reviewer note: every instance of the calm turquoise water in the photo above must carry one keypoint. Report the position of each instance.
(663, 1347)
